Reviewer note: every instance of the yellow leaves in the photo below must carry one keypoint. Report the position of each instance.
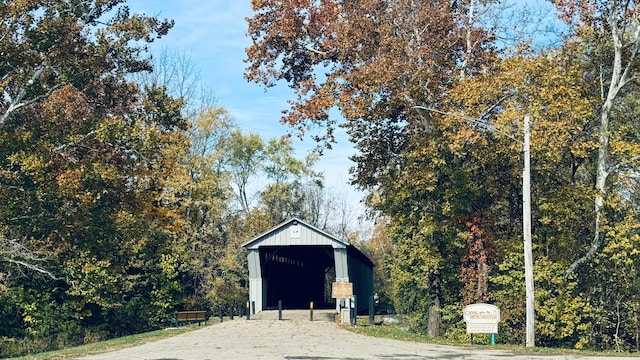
(465, 235)
(581, 149)
(124, 219)
(550, 88)
(624, 148)
(107, 171)
(623, 247)
(624, 142)
(69, 182)
(169, 265)
(545, 220)
(447, 208)
(91, 278)
(111, 128)
(95, 267)
(33, 164)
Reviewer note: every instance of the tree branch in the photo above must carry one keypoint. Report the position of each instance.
(480, 120)
(14, 252)
(18, 102)
(619, 165)
(83, 138)
(31, 266)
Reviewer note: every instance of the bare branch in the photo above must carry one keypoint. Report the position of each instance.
(31, 266)
(480, 120)
(15, 252)
(18, 102)
(319, 52)
(618, 166)
(84, 137)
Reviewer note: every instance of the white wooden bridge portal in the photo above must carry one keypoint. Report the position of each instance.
(297, 263)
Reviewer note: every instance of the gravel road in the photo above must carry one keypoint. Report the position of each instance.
(295, 337)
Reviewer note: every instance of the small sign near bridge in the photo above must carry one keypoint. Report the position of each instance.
(481, 318)
(341, 290)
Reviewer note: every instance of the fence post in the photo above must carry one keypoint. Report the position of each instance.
(354, 310)
(372, 310)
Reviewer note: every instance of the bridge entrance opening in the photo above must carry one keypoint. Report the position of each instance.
(297, 275)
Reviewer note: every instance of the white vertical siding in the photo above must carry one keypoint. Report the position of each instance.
(255, 278)
(253, 257)
(255, 293)
(340, 258)
(306, 236)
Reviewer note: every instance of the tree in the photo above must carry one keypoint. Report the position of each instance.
(449, 188)
(525, 91)
(203, 196)
(94, 207)
(289, 194)
(176, 71)
(48, 45)
(611, 26)
(244, 157)
(378, 67)
(85, 160)
(376, 63)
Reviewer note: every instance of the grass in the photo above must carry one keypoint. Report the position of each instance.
(393, 332)
(381, 331)
(110, 345)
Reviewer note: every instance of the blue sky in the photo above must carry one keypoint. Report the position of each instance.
(213, 33)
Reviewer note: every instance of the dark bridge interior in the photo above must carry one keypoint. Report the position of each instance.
(297, 275)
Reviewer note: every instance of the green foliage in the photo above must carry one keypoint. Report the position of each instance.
(85, 159)
(417, 269)
(616, 297)
(507, 283)
(117, 210)
(562, 318)
(563, 315)
(439, 139)
(454, 326)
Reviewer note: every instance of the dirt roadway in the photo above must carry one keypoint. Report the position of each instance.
(295, 337)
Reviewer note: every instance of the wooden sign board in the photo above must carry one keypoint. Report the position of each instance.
(341, 290)
(481, 318)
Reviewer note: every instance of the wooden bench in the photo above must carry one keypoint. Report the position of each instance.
(189, 317)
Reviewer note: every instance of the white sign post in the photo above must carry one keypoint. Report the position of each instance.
(341, 290)
(482, 319)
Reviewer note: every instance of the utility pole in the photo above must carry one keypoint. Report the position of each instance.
(526, 218)
(526, 234)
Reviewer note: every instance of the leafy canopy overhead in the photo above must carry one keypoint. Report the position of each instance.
(48, 44)
(372, 59)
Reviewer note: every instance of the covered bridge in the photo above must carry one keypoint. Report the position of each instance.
(297, 263)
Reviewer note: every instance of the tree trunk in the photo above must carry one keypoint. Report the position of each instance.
(619, 78)
(468, 41)
(435, 317)
(600, 186)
